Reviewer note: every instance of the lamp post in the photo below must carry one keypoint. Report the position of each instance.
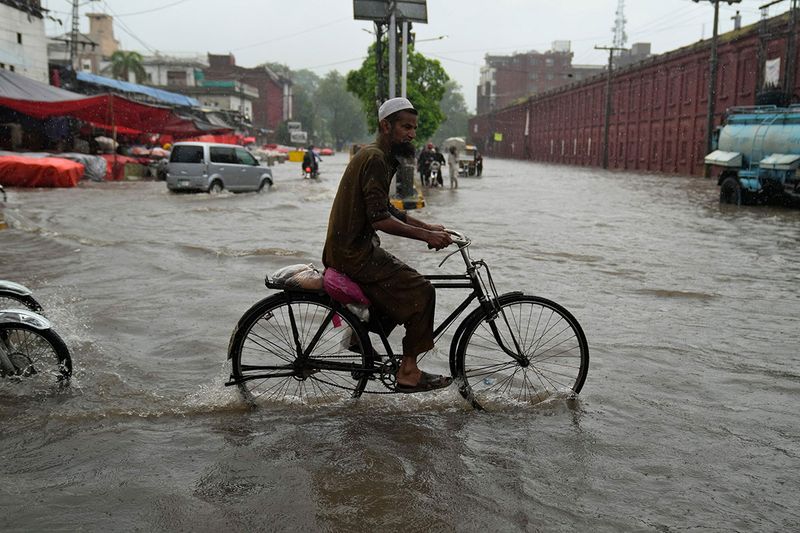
(607, 114)
(712, 81)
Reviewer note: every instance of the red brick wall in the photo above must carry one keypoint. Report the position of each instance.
(659, 112)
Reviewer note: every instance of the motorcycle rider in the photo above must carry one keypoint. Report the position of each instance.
(310, 161)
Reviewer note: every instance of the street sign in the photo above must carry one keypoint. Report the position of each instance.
(379, 10)
(297, 136)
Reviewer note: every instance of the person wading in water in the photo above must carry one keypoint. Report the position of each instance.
(398, 293)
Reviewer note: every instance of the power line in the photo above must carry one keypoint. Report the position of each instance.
(151, 10)
(362, 58)
(308, 30)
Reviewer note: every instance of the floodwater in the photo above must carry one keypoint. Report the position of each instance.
(688, 418)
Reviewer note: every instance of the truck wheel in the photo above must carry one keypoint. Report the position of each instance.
(730, 192)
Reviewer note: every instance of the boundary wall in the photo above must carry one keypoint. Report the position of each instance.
(659, 107)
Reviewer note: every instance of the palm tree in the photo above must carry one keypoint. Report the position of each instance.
(123, 63)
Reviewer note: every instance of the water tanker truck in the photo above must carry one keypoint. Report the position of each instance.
(758, 151)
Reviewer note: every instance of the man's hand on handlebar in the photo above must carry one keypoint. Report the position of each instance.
(438, 239)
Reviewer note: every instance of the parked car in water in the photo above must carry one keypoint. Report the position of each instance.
(214, 167)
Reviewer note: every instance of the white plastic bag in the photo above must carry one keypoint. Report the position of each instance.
(298, 276)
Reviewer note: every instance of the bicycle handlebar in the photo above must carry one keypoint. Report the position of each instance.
(462, 241)
(459, 238)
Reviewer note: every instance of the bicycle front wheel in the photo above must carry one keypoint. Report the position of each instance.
(28, 352)
(297, 348)
(12, 300)
(531, 349)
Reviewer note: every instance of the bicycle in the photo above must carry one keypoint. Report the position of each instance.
(511, 347)
(28, 343)
(13, 294)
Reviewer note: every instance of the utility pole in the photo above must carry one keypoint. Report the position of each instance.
(761, 53)
(791, 51)
(392, 51)
(73, 38)
(712, 81)
(607, 117)
(404, 61)
(380, 85)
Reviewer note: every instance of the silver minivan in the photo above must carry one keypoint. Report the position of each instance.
(213, 167)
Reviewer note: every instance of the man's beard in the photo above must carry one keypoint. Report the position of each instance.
(403, 149)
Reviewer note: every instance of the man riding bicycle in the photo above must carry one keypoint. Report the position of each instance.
(397, 292)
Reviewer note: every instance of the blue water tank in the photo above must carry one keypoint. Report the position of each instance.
(756, 134)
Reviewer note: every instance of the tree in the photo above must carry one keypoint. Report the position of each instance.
(425, 89)
(124, 63)
(457, 116)
(339, 111)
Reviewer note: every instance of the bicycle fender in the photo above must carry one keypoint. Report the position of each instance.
(253, 309)
(23, 316)
(15, 288)
(476, 314)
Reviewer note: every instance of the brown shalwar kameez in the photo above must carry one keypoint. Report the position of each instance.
(352, 247)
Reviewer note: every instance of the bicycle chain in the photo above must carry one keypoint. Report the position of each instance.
(384, 377)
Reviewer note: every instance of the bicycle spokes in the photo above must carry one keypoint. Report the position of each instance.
(531, 349)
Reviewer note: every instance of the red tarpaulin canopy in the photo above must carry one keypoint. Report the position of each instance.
(106, 111)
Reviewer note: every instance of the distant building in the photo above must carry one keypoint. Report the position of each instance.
(88, 53)
(505, 79)
(101, 30)
(94, 48)
(274, 103)
(637, 52)
(23, 45)
(173, 72)
(225, 95)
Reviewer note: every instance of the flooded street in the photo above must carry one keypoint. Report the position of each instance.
(687, 420)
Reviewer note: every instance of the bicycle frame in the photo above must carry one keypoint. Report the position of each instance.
(481, 290)
(484, 292)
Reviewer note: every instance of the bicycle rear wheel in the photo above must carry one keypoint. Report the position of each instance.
(548, 341)
(31, 352)
(294, 348)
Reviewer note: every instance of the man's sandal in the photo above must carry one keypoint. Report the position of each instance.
(427, 382)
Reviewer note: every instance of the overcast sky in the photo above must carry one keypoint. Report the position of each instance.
(321, 35)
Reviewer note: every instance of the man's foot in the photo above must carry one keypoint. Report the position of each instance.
(427, 382)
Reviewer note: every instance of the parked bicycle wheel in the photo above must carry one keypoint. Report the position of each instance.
(298, 351)
(12, 300)
(548, 341)
(26, 351)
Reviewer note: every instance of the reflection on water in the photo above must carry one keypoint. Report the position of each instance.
(685, 421)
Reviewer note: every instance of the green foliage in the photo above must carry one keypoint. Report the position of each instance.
(303, 109)
(425, 89)
(339, 111)
(457, 116)
(124, 63)
(329, 114)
